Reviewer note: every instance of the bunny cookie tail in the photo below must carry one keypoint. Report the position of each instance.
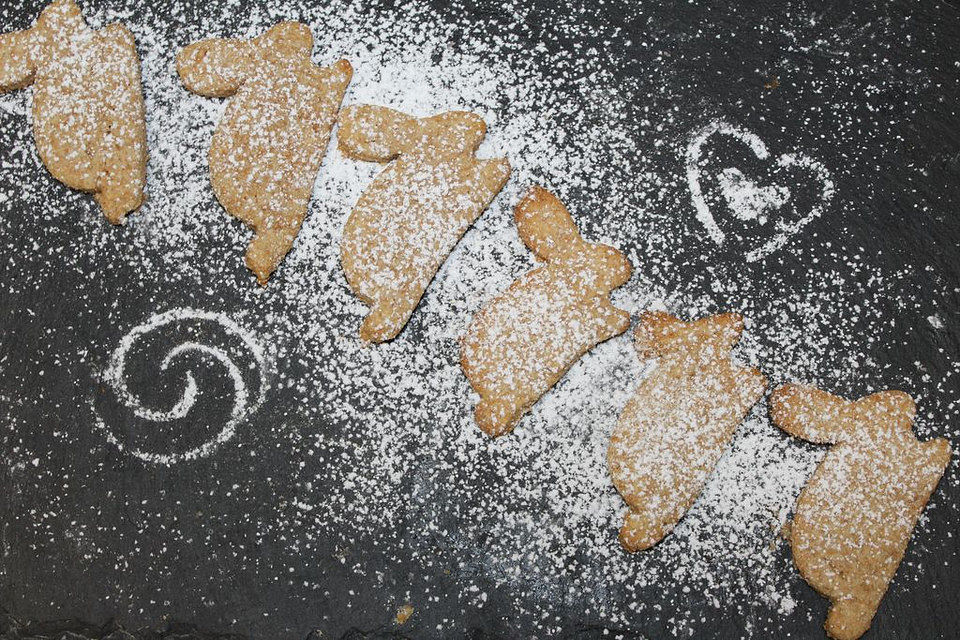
(381, 324)
(496, 416)
(639, 533)
(849, 619)
(118, 202)
(120, 185)
(265, 251)
(123, 147)
(389, 314)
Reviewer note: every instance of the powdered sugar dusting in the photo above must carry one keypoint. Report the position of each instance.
(247, 397)
(376, 475)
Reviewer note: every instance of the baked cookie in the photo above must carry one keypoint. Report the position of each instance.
(412, 215)
(268, 146)
(679, 422)
(526, 339)
(854, 517)
(88, 114)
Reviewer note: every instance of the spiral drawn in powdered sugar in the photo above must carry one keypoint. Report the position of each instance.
(200, 336)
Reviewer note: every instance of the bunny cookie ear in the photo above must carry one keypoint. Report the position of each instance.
(653, 333)
(21, 51)
(809, 413)
(545, 226)
(61, 17)
(285, 41)
(823, 418)
(723, 330)
(18, 60)
(454, 132)
(659, 333)
(374, 134)
(215, 67)
(884, 410)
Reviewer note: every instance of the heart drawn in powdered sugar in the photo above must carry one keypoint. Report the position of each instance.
(772, 207)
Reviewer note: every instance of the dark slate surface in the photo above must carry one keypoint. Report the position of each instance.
(35, 584)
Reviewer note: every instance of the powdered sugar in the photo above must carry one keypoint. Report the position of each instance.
(378, 443)
(246, 400)
(747, 202)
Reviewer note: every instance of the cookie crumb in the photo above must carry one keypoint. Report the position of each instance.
(403, 614)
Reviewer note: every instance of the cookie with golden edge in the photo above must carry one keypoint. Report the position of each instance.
(412, 215)
(268, 146)
(88, 114)
(679, 421)
(854, 518)
(522, 342)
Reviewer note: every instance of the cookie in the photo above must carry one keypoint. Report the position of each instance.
(679, 422)
(412, 215)
(521, 343)
(268, 146)
(854, 517)
(88, 115)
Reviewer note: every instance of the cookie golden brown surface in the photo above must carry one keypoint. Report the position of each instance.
(522, 342)
(856, 514)
(88, 113)
(268, 146)
(679, 422)
(412, 215)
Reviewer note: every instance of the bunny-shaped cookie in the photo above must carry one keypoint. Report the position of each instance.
(855, 516)
(268, 146)
(412, 215)
(88, 114)
(526, 339)
(680, 420)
